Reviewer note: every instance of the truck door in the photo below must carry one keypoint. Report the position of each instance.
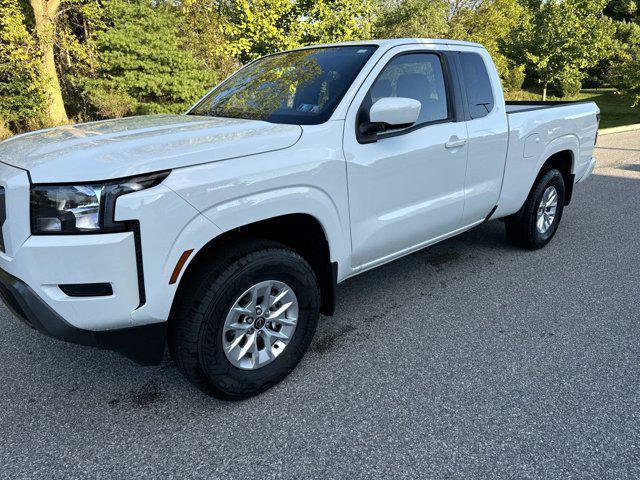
(487, 129)
(406, 186)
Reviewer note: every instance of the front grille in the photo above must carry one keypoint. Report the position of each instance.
(3, 217)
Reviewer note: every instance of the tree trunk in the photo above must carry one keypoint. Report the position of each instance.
(44, 12)
(544, 93)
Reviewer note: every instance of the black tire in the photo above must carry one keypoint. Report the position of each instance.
(521, 228)
(195, 327)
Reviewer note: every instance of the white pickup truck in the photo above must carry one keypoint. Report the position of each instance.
(224, 231)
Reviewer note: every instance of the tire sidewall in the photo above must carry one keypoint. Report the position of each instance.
(552, 178)
(278, 265)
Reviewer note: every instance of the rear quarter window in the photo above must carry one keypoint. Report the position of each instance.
(477, 84)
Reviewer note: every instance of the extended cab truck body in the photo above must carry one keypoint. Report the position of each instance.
(224, 231)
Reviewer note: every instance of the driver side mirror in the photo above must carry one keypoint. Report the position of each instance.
(395, 112)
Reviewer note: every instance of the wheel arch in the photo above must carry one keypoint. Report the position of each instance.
(522, 172)
(301, 232)
(561, 160)
(559, 154)
(564, 162)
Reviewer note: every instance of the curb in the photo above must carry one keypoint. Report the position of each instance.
(624, 128)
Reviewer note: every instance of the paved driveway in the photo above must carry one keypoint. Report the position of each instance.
(471, 359)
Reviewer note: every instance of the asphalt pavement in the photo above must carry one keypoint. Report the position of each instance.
(471, 359)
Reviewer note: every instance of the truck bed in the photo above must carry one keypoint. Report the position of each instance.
(518, 106)
(537, 130)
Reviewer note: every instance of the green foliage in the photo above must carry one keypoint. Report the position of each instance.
(77, 57)
(491, 24)
(122, 57)
(564, 38)
(254, 28)
(21, 89)
(615, 109)
(627, 73)
(513, 78)
(258, 27)
(569, 86)
(201, 29)
(623, 10)
(326, 21)
(141, 62)
(413, 18)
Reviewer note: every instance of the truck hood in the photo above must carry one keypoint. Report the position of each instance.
(130, 146)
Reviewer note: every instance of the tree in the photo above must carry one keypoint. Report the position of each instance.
(202, 28)
(624, 71)
(622, 10)
(326, 21)
(76, 56)
(258, 27)
(413, 18)
(22, 94)
(44, 17)
(491, 23)
(563, 40)
(254, 28)
(142, 65)
(629, 72)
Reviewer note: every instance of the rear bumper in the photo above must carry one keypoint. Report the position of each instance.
(144, 344)
(589, 170)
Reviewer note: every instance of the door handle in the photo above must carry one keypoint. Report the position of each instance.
(455, 142)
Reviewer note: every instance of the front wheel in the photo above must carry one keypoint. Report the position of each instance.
(537, 221)
(246, 320)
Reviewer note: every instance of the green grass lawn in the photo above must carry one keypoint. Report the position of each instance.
(615, 110)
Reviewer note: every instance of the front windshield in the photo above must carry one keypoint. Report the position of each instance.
(300, 87)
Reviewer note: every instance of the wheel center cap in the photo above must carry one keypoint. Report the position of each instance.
(259, 323)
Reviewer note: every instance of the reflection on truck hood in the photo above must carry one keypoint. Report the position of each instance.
(130, 146)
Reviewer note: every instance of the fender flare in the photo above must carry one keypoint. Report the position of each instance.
(235, 213)
(297, 199)
(569, 143)
(524, 172)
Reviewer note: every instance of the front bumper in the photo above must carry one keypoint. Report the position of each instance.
(35, 269)
(144, 344)
(130, 313)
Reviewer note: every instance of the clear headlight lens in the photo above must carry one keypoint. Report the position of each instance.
(86, 208)
(66, 208)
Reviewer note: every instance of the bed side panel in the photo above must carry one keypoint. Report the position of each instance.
(535, 135)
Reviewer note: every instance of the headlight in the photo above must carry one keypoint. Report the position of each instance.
(83, 208)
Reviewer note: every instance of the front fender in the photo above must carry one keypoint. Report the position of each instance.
(298, 199)
(199, 229)
(169, 226)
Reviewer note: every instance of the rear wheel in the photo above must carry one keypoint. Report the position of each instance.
(247, 320)
(537, 221)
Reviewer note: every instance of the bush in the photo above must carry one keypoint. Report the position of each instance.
(110, 104)
(569, 86)
(627, 75)
(513, 78)
(143, 67)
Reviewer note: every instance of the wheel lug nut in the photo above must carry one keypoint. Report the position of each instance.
(258, 310)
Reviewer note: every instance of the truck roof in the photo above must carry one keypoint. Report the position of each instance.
(393, 42)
